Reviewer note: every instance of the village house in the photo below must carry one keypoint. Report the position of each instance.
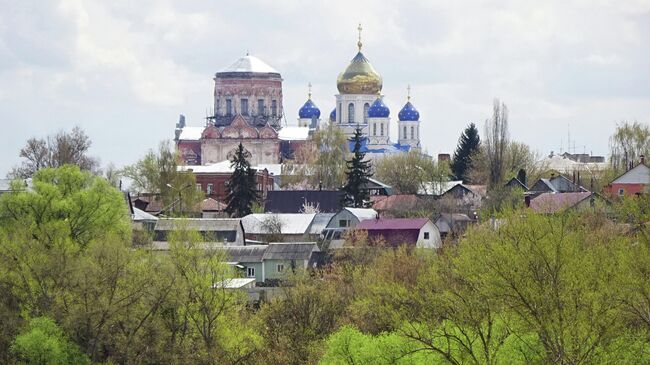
(547, 203)
(334, 232)
(633, 182)
(225, 231)
(278, 227)
(418, 232)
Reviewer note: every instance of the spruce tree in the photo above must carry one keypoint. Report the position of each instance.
(358, 173)
(241, 187)
(468, 144)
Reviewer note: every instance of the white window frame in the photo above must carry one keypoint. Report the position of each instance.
(250, 272)
(210, 189)
(280, 268)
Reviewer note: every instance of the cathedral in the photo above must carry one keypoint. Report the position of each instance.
(248, 110)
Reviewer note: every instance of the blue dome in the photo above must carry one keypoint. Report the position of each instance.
(378, 110)
(309, 110)
(409, 113)
(333, 115)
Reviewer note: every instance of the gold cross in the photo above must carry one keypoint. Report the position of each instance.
(408, 92)
(309, 86)
(359, 44)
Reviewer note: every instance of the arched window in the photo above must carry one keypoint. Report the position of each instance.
(351, 113)
(366, 106)
(412, 132)
(374, 129)
(381, 129)
(404, 134)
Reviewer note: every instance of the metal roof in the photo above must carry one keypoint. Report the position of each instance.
(141, 215)
(392, 224)
(290, 251)
(290, 223)
(292, 201)
(250, 63)
(251, 253)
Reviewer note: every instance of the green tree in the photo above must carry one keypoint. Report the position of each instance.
(358, 175)
(161, 173)
(468, 145)
(241, 188)
(43, 343)
(411, 172)
(496, 142)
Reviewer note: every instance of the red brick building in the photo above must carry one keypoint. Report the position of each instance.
(211, 180)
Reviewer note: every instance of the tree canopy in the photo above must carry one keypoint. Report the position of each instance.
(468, 145)
(241, 187)
(358, 172)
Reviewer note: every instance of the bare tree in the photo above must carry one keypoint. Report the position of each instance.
(628, 143)
(60, 149)
(496, 142)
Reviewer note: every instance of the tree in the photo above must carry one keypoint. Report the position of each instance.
(241, 188)
(496, 142)
(56, 150)
(628, 143)
(358, 173)
(409, 173)
(43, 343)
(161, 173)
(468, 145)
(320, 163)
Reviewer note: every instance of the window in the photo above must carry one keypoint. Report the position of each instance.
(381, 130)
(210, 188)
(260, 107)
(274, 107)
(228, 107)
(404, 134)
(199, 187)
(244, 106)
(374, 129)
(621, 191)
(250, 272)
(366, 106)
(343, 222)
(426, 235)
(412, 133)
(351, 113)
(280, 268)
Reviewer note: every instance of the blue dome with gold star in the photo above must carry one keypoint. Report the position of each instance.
(378, 110)
(309, 110)
(409, 113)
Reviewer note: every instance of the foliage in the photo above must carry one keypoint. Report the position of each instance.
(241, 188)
(628, 143)
(468, 145)
(159, 173)
(43, 343)
(412, 172)
(358, 173)
(60, 149)
(496, 142)
(320, 163)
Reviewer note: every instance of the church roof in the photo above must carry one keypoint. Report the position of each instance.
(409, 113)
(250, 63)
(378, 109)
(309, 110)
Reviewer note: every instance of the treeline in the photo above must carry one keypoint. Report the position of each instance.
(517, 289)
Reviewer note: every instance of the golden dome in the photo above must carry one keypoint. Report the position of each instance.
(359, 77)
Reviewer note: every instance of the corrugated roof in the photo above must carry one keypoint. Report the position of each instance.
(210, 204)
(252, 253)
(197, 224)
(141, 215)
(392, 224)
(555, 202)
(320, 222)
(290, 251)
(292, 201)
(362, 213)
(290, 223)
(398, 202)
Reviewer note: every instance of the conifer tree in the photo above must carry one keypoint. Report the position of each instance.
(241, 187)
(358, 173)
(468, 144)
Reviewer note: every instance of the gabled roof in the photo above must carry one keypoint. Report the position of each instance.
(212, 205)
(401, 201)
(250, 253)
(292, 201)
(514, 182)
(290, 223)
(393, 224)
(639, 174)
(198, 224)
(555, 202)
(290, 251)
(141, 215)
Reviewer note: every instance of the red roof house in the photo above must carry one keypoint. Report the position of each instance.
(634, 181)
(420, 232)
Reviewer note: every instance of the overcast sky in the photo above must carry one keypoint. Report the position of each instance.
(125, 70)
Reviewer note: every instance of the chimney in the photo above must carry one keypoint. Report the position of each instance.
(527, 201)
(444, 157)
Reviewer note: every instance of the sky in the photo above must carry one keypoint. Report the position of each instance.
(124, 70)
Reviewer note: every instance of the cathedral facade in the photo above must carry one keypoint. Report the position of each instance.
(248, 109)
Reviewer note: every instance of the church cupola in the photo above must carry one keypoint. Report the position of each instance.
(378, 123)
(309, 114)
(408, 125)
(333, 115)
